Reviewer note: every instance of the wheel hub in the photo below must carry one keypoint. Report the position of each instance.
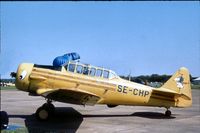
(43, 114)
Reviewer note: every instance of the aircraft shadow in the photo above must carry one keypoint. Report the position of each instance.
(150, 115)
(67, 119)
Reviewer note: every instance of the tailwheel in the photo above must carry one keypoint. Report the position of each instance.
(168, 113)
(42, 113)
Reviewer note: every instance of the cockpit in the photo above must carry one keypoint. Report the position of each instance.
(86, 69)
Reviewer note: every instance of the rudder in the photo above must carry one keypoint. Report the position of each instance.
(180, 83)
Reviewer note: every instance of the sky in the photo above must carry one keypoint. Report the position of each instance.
(141, 38)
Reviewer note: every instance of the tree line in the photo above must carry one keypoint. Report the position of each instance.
(150, 78)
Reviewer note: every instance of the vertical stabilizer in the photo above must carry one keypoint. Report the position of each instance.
(180, 83)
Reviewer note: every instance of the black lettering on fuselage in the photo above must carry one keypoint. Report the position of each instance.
(125, 90)
(146, 93)
(135, 91)
(141, 92)
(119, 88)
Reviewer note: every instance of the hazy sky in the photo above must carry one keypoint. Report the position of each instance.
(141, 37)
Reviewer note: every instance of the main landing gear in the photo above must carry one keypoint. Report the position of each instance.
(168, 112)
(44, 112)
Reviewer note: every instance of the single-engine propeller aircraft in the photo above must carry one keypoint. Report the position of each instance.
(70, 81)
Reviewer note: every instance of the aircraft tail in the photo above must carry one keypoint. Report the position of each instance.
(180, 83)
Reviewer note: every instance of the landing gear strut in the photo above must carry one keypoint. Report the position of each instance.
(44, 112)
(168, 112)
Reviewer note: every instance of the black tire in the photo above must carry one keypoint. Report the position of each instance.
(4, 120)
(168, 113)
(50, 107)
(42, 114)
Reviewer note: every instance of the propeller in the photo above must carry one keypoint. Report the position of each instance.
(13, 74)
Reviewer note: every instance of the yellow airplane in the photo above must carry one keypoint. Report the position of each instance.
(84, 84)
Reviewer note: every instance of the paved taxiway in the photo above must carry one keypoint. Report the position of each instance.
(100, 118)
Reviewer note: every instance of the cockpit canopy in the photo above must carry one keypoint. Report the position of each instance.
(86, 69)
(60, 60)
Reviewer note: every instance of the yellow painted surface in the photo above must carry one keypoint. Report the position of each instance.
(112, 91)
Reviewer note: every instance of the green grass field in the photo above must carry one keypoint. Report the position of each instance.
(20, 130)
(8, 88)
(195, 86)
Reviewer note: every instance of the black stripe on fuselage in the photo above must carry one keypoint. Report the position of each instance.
(48, 67)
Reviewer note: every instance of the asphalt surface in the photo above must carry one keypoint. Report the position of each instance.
(99, 118)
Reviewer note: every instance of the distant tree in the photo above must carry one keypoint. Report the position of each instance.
(153, 78)
(7, 80)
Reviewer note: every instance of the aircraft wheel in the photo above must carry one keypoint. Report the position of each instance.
(4, 120)
(168, 113)
(42, 113)
(50, 107)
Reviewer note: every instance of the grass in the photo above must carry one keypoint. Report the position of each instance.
(195, 86)
(20, 130)
(8, 88)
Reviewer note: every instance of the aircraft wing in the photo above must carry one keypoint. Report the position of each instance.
(73, 95)
(166, 94)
